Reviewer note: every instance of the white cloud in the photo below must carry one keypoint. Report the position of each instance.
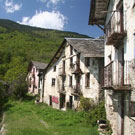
(45, 19)
(10, 7)
(51, 2)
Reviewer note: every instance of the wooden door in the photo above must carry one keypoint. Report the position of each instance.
(70, 102)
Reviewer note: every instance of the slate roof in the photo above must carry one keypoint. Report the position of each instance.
(39, 65)
(88, 47)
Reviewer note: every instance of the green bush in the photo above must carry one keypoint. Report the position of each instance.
(86, 104)
(93, 111)
(97, 113)
(3, 95)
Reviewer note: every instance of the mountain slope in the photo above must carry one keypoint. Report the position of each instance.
(19, 44)
(31, 42)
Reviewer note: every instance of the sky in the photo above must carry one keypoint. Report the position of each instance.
(65, 15)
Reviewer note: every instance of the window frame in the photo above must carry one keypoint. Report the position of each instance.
(87, 80)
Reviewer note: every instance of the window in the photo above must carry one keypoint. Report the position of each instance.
(76, 98)
(71, 50)
(54, 69)
(87, 61)
(132, 109)
(53, 81)
(64, 67)
(71, 62)
(70, 80)
(33, 70)
(87, 80)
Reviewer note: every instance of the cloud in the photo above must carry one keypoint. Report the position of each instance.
(51, 2)
(45, 19)
(10, 7)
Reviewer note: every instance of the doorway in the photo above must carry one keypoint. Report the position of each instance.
(62, 101)
(120, 117)
(50, 99)
(70, 102)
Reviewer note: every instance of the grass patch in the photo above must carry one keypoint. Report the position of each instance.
(27, 118)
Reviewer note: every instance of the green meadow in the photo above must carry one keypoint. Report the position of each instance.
(27, 118)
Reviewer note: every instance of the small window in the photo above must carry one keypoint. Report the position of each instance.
(54, 69)
(71, 62)
(93, 62)
(132, 109)
(71, 50)
(53, 81)
(33, 70)
(70, 80)
(76, 98)
(87, 61)
(87, 80)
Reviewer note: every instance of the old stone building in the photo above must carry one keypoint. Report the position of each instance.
(76, 69)
(116, 18)
(34, 81)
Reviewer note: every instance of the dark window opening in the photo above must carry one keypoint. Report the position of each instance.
(54, 68)
(53, 81)
(71, 50)
(70, 80)
(87, 80)
(71, 62)
(87, 61)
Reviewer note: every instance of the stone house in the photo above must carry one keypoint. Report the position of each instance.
(75, 69)
(117, 19)
(34, 81)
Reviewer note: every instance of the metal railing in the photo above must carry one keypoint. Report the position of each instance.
(115, 24)
(117, 73)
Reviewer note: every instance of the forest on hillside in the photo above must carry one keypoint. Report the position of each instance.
(19, 44)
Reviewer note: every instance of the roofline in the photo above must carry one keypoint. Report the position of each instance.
(32, 64)
(62, 46)
(92, 10)
(92, 20)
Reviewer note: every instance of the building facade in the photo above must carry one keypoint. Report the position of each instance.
(117, 18)
(76, 69)
(34, 78)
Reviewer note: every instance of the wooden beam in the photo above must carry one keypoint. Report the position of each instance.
(101, 27)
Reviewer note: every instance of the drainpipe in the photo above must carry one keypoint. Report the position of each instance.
(122, 113)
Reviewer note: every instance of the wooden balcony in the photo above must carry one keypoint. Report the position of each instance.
(116, 76)
(76, 90)
(75, 69)
(62, 89)
(115, 32)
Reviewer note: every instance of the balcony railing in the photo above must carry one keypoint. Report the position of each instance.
(76, 90)
(117, 74)
(115, 29)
